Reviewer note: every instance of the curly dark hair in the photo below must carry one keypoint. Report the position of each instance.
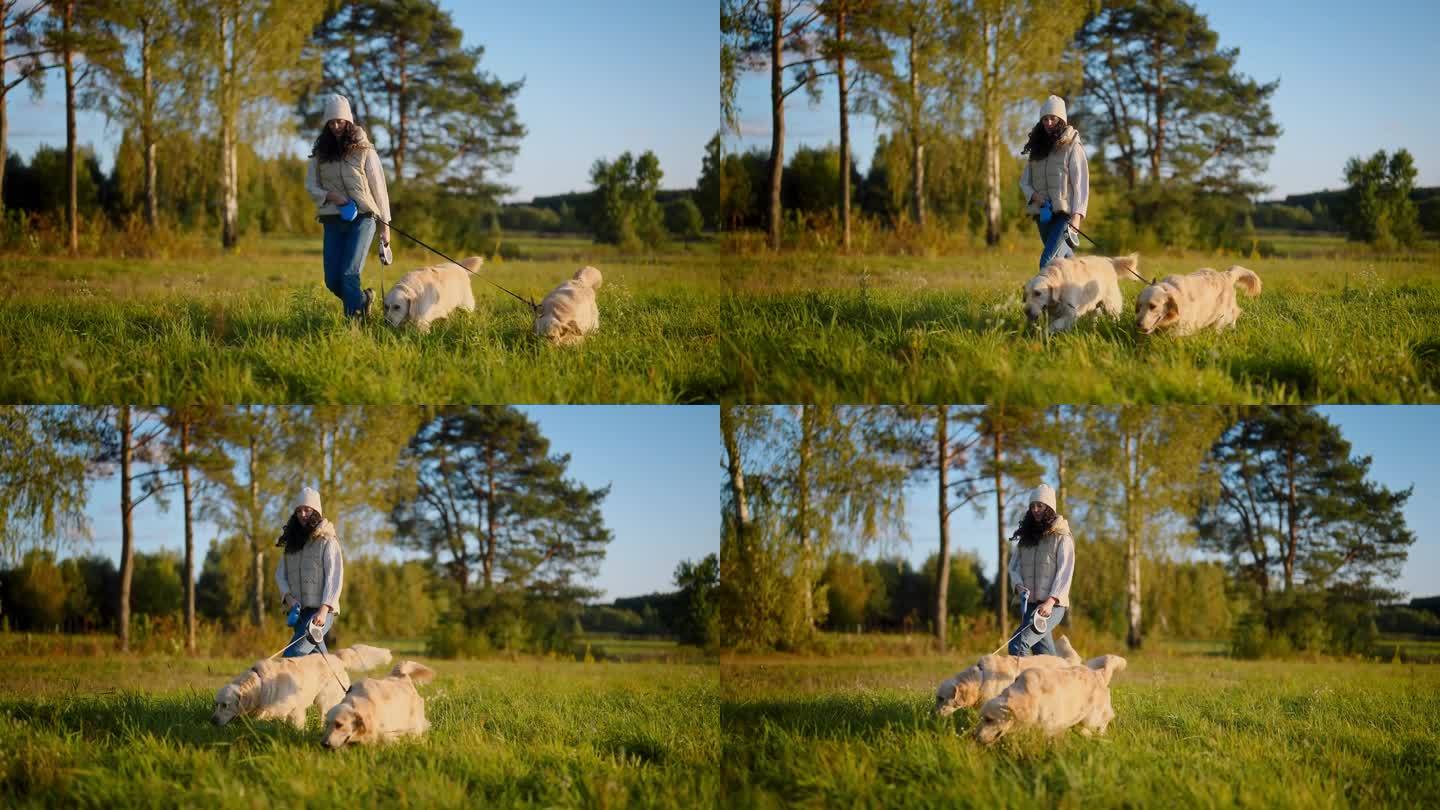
(329, 148)
(1041, 142)
(297, 532)
(1031, 530)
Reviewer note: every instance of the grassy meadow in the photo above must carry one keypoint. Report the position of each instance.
(123, 731)
(1191, 730)
(1330, 326)
(259, 326)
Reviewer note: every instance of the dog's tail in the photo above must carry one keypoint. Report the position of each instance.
(419, 673)
(589, 276)
(1062, 646)
(1245, 278)
(1125, 265)
(473, 263)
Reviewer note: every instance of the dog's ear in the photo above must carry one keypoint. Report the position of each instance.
(1172, 309)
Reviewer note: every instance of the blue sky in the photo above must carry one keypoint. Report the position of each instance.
(1403, 442)
(1351, 82)
(599, 80)
(663, 463)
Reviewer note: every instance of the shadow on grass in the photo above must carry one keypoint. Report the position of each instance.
(121, 716)
(838, 716)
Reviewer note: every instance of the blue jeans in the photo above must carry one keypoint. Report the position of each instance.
(307, 646)
(1030, 642)
(346, 244)
(1052, 234)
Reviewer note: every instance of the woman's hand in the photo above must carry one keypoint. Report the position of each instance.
(288, 600)
(337, 199)
(1075, 220)
(1036, 198)
(384, 233)
(321, 615)
(1047, 606)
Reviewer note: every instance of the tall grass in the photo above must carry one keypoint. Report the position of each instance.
(1189, 732)
(262, 328)
(867, 329)
(124, 732)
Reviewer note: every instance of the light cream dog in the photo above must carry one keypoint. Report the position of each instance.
(380, 709)
(1053, 700)
(426, 295)
(993, 673)
(1071, 288)
(285, 688)
(1199, 300)
(569, 312)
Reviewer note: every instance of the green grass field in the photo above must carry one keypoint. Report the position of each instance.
(950, 329)
(259, 326)
(1190, 731)
(129, 732)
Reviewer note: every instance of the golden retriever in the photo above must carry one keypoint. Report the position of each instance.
(1186, 304)
(1053, 700)
(426, 295)
(380, 709)
(285, 688)
(1070, 288)
(992, 673)
(569, 312)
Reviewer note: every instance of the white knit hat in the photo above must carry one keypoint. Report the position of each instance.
(1043, 493)
(337, 106)
(1053, 105)
(310, 498)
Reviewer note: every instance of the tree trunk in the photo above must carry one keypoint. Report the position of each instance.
(777, 118)
(990, 152)
(1292, 539)
(807, 430)
(4, 124)
(257, 571)
(402, 131)
(1132, 546)
(491, 524)
(72, 207)
(229, 169)
(942, 461)
(188, 495)
(1157, 149)
(917, 145)
(147, 129)
(737, 473)
(127, 530)
(997, 448)
(844, 129)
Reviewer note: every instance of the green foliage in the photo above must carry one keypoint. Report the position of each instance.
(1380, 209)
(698, 621)
(683, 219)
(625, 210)
(708, 187)
(1307, 621)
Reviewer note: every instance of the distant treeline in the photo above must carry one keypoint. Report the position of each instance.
(1329, 210)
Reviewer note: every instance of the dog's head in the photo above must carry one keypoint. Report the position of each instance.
(363, 656)
(1156, 308)
(397, 304)
(349, 722)
(1040, 294)
(996, 719)
(588, 276)
(959, 692)
(233, 698)
(1107, 666)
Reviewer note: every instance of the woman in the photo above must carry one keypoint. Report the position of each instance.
(344, 168)
(1055, 181)
(1041, 567)
(311, 570)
